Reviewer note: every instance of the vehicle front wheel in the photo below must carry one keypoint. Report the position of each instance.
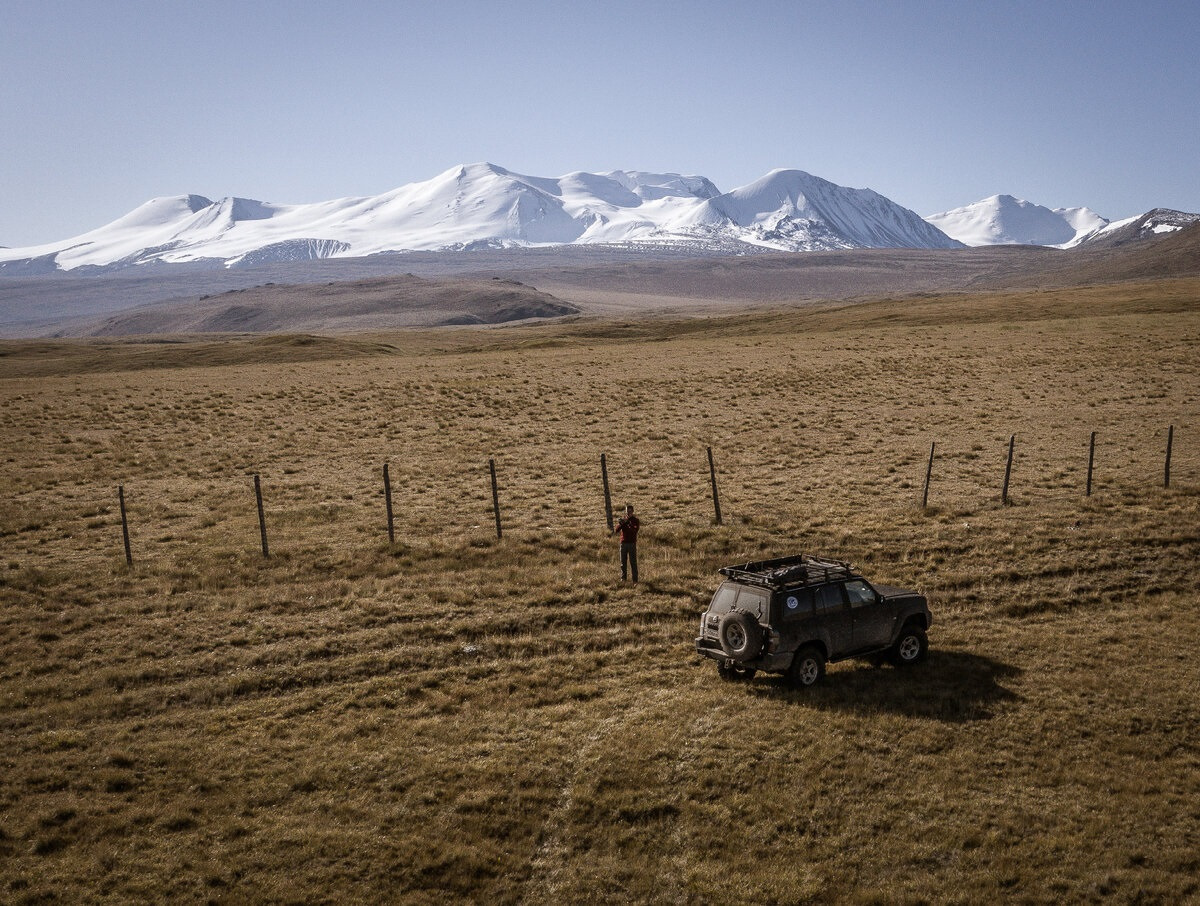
(910, 648)
(808, 667)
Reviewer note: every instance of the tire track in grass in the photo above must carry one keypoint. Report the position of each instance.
(550, 863)
(699, 731)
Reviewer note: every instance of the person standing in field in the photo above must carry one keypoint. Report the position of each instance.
(627, 528)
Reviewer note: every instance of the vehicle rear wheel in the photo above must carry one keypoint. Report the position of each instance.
(740, 635)
(808, 668)
(910, 648)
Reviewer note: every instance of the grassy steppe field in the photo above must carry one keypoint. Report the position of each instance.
(460, 718)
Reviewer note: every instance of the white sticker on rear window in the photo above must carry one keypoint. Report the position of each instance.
(792, 603)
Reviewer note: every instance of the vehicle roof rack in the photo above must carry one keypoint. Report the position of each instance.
(786, 572)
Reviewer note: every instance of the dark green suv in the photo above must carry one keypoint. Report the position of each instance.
(792, 615)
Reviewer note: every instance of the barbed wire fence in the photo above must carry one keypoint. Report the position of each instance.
(676, 486)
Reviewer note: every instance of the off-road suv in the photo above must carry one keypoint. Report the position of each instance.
(794, 614)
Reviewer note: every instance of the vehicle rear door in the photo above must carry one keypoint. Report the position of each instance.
(754, 601)
(794, 617)
(833, 615)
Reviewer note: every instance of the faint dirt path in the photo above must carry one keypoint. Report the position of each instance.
(550, 865)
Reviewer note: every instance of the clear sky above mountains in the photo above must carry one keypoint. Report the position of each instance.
(933, 104)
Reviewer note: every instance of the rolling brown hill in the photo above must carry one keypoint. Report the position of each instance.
(1171, 255)
(375, 304)
(863, 274)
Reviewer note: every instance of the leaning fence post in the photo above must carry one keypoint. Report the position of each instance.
(387, 497)
(712, 474)
(262, 520)
(607, 496)
(1091, 461)
(495, 497)
(928, 474)
(124, 525)
(1008, 469)
(1167, 467)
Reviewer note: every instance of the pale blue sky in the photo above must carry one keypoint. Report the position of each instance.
(104, 105)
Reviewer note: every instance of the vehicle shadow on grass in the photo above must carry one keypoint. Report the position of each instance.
(951, 686)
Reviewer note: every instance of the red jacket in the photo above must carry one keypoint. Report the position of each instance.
(627, 528)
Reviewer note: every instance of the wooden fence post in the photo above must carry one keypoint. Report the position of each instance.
(1091, 461)
(1167, 467)
(387, 497)
(928, 474)
(712, 474)
(124, 526)
(495, 497)
(262, 520)
(607, 496)
(1012, 440)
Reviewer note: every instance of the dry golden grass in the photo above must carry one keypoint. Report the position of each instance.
(460, 718)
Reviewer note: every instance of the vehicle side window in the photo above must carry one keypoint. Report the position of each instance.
(859, 593)
(797, 604)
(829, 599)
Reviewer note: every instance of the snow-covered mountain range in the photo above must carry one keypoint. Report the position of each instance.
(1005, 220)
(485, 206)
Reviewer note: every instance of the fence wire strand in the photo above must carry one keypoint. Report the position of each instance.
(560, 491)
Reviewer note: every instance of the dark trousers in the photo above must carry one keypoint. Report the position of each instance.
(629, 560)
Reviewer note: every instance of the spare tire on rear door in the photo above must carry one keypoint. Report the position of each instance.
(741, 636)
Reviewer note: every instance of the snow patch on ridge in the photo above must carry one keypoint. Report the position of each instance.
(290, 250)
(1143, 226)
